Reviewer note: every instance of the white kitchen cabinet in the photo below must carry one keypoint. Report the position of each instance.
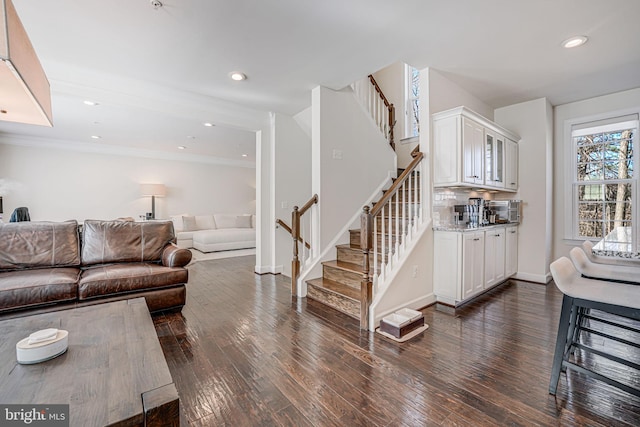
(511, 165)
(472, 264)
(473, 152)
(494, 256)
(447, 266)
(469, 150)
(511, 251)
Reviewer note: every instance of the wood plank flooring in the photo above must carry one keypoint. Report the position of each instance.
(244, 353)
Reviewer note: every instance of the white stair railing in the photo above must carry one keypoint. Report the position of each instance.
(381, 110)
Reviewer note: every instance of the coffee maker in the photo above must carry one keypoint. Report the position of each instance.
(478, 213)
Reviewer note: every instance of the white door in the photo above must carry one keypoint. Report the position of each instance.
(499, 235)
(473, 150)
(473, 264)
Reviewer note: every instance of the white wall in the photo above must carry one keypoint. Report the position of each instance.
(341, 123)
(625, 102)
(292, 181)
(533, 121)
(58, 184)
(444, 94)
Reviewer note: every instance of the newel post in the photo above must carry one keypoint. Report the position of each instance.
(295, 263)
(366, 240)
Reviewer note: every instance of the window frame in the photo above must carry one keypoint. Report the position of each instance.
(571, 229)
(408, 99)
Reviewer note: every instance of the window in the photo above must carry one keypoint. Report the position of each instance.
(412, 102)
(604, 181)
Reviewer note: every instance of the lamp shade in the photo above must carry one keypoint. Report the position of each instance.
(153, 190)
(26, 96)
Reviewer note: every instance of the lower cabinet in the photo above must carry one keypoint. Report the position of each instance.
(494, 256)
(511, 255)
(467, 263)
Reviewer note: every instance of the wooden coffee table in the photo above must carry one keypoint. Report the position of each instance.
(114, 372)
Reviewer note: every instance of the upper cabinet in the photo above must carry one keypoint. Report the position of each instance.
(469, 150)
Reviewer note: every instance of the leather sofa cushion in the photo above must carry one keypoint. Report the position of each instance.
(105, 280)
(116, 241)
(38, 244)
(25, 288)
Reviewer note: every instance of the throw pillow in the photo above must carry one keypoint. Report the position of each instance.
(243, 221)
(225, 220)
(189, 223)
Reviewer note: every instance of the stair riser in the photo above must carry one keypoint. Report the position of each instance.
(349, 278)
(350, 255)
(344, 305)
(354, 240)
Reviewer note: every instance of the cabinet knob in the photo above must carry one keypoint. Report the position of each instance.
(476, 239)
(513, 183)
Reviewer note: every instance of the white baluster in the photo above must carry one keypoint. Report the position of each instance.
(389, 236)
(404, 213)
(383, 263)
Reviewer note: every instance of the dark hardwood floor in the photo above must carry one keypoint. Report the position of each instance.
(244, 353)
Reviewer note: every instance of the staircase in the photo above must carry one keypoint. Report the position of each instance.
(340, 286)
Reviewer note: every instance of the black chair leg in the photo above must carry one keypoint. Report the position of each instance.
(561, 341)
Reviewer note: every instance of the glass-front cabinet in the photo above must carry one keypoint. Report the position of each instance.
(494, 159)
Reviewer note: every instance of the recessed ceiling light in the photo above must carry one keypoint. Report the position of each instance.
(181, 147)
(237, 76)
(191, 137)
(244, 155)
(91, 103)
(574, 41)
(207, 124)
(96, 136)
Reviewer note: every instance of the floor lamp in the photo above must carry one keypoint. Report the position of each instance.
(153, 190)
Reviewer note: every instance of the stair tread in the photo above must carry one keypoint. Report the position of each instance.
(335, 287)
(342, 265)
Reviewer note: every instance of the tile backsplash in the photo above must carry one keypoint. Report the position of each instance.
(445, 198)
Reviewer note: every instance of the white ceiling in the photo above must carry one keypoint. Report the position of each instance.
(158, 74)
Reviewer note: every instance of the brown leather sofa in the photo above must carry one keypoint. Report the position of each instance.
(52, 265)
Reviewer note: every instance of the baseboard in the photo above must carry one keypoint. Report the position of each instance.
(415, 304)
(537, 278)
(267, 269)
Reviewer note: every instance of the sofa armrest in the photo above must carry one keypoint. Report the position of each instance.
(173, 256)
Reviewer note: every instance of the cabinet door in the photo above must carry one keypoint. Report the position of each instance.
(446, 143)
(511, 165)
(447, 266)
(493, 159)
(473, 150)
(511, 256)
(473, 264)
(500, 236)
(489, 259)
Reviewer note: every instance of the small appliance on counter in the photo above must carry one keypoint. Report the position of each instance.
(479, 214)
(506, 211)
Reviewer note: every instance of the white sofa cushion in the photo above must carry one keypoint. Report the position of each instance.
(243, 221)
(189, 223)
(177, 222)
(205, 222)
(225, 220)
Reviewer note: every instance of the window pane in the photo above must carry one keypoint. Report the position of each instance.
(592, 211)
(590, 172)
(590, 192)
(590, 229)
(612, 191)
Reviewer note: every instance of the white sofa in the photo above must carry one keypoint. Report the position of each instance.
(215, 232)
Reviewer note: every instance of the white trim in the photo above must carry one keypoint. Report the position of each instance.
(267, 269)
(414, 304)
(529, 277)
(570, 225)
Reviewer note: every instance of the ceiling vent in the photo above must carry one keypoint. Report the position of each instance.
(24, 88)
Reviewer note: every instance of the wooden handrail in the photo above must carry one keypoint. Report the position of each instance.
(375, 85)
(295, 233)
(392, 190)
(312, 201)
(284, 225)
(390, 108)
(415, 151)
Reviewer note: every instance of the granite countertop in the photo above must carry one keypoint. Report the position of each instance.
(617, 243)
(465, 228)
